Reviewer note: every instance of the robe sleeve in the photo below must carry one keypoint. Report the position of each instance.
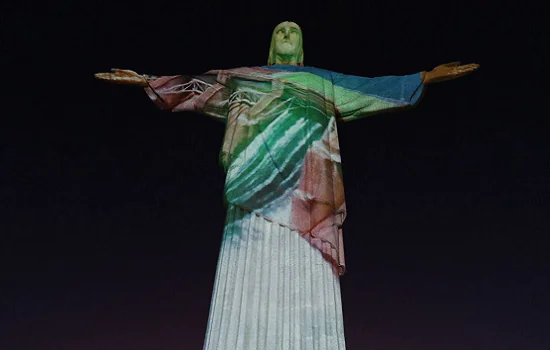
(357, 97)
(198, 93)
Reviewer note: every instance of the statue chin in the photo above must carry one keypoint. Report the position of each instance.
(286, 49)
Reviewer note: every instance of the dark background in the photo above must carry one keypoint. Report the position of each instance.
(111, 211)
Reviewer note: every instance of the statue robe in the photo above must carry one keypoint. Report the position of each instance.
(284, 192)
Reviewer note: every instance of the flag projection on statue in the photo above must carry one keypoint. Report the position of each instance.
(280, 151)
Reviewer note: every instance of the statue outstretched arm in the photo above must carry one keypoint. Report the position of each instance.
(198, 93)
(357, 97)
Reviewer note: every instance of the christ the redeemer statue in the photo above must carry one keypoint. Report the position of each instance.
(277, 280)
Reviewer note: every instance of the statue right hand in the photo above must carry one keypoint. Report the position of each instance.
(123, 77)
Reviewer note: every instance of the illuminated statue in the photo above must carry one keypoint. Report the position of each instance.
(277, 281)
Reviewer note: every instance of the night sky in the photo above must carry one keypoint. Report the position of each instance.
(111, 211)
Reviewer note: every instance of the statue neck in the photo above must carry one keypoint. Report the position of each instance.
(287, 60)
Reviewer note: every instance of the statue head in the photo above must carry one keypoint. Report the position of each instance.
(286, 45)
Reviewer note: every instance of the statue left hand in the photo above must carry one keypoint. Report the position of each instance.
(448, 71)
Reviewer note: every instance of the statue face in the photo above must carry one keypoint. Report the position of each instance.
(286, 45)
(287, 39)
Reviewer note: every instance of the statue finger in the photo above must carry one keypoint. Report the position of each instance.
(473, 66)
(462, 73)
(467, 68)
(103, 76)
